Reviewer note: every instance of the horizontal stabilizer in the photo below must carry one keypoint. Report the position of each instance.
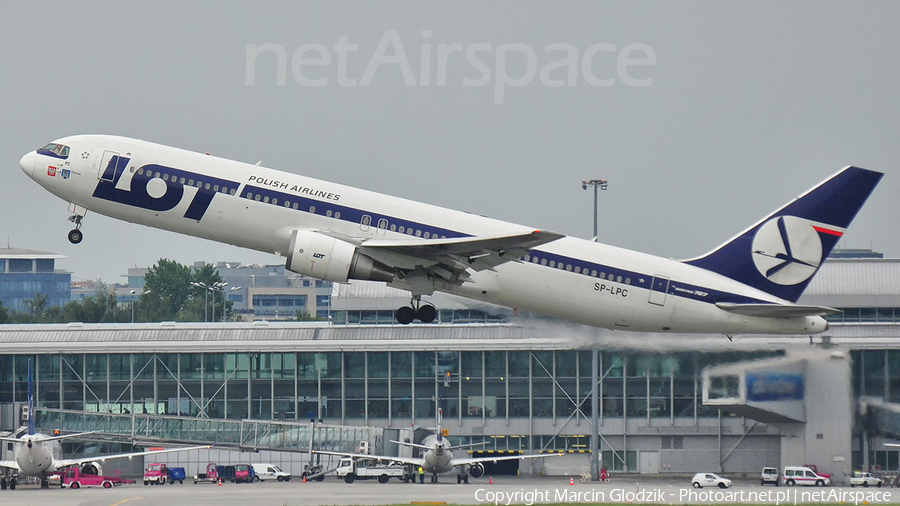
(775, 310)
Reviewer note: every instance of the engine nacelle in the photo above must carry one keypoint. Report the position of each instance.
(92, 468)
(476, 470)
(323, 257)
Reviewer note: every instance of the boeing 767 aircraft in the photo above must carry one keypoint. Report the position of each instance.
(38, 454)
(333, 232)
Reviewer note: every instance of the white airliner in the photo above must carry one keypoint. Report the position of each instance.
(437, 457)
(333, 232)
(38, 454)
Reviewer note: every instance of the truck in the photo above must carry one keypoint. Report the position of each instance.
(865, 479)
(74, 478)
(156, 474)
(210, 476)
(352, 469)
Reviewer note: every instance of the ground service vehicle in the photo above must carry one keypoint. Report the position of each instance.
(701, 480)
(210, 476)
(770, 475)
(802, 475)
(864, 479)
(351, 469)
(243, 473)
(156, 474)
(269, 472)
(74, 478)
(176, 474)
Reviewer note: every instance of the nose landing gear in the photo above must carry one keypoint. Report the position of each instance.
(425, 313)
(76, 235)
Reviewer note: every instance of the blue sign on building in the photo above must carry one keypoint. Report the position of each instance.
(774, 387)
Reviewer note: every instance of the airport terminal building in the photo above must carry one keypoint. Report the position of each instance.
(670, 403)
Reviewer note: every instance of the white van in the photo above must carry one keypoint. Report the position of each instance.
(799, 475)
(269, 472)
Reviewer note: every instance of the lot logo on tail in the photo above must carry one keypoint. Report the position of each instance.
(788, 250)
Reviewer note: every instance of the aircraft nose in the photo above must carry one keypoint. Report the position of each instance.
(27, 163)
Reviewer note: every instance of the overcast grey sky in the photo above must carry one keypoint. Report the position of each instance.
(704, 116)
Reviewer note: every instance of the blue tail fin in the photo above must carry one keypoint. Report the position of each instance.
(781, 253)
(31, 430)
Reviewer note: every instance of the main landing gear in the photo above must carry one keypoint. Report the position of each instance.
(75, 235)
(425, 313)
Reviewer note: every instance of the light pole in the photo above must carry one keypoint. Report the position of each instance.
(220, 288)
(132, 306)
(601, 184)
(205, 299)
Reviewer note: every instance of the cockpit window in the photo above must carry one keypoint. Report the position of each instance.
(55, 150)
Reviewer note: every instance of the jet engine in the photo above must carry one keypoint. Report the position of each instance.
(476, 470)
(92, 468)
(323, 257)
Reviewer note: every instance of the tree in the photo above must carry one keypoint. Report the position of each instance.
(171, 294)
(166, 290)
(4, 314)
(37, 306)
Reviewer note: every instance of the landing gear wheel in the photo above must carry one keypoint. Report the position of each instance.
(426, 313)
(75, 236)
(405, 315)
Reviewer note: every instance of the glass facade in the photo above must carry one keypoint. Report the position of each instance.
(360, 386)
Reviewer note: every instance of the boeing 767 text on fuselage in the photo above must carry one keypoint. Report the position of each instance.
(333, 232)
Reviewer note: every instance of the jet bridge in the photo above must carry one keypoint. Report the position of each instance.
(880, 416)
(246, 435)
(805, 394)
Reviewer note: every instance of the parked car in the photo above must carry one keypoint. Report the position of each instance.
(770, 475)
(701, 480)
(269, 472)
(801, 475)
(865, 480)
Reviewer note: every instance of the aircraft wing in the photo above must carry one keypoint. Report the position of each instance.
(49, 438)
(9, 464)
(458, 254)
(473, 460)
(776, 310)
(102, 458)
(402, 460)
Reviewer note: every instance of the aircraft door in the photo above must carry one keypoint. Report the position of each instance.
(365, 223)
(658, 290)
(382, 226)
(107, 169)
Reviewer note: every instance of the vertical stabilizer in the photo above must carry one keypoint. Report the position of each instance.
(30, 400)
(782, 252)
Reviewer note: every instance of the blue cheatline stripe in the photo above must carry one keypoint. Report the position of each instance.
(344, 213)
(561, 262)
(299, 203)
(632, 278)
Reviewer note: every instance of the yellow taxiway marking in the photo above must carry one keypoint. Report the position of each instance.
(126, 500)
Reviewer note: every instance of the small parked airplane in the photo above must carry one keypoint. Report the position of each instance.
(437, 457)
(38, 454)
(333, 232)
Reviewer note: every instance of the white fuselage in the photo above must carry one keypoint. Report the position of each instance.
(439, 459)
(36, 458)
(572, 279)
